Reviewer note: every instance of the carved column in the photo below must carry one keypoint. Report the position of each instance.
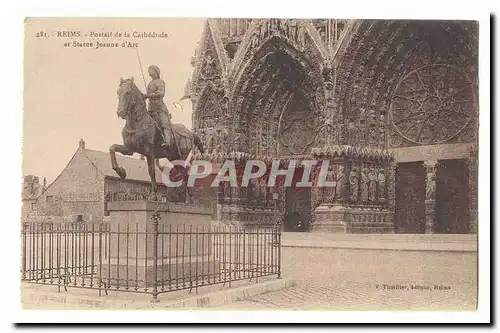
(430, 196)
(316, 193)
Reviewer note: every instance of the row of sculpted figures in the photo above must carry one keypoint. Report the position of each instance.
(357, 183)
(257, 193)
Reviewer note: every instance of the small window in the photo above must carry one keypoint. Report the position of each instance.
(79, 218)
(33, 206)
(49, 198)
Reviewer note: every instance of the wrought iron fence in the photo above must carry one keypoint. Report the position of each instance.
(154, 258)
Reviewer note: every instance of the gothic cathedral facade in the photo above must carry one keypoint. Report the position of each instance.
(393, 105)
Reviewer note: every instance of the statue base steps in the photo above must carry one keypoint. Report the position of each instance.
(170, 272)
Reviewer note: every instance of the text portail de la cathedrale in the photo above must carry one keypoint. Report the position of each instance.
(134, 34)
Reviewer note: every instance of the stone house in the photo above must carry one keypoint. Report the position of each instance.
(86, 184)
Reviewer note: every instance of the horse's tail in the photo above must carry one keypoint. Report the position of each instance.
(197, 142)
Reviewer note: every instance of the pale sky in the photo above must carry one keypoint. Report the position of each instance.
(70, 93)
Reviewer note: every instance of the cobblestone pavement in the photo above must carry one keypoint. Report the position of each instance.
(344, 279)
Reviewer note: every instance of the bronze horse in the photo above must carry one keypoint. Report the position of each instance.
(142, 135)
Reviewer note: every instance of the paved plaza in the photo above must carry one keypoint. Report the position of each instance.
(353, 279)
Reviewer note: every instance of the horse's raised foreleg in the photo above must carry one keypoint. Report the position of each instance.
(152, 174)
(114, 164)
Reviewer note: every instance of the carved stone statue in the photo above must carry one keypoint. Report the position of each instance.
(209, 68)
(372, 185)
(224, 137)
(255, 41)
(353, 184)
(382, 129)
(218, 141)
(263, 188)
(430, 186)
(381, 185)
(329, 192)
(227, 191)
(372, 125)
(364, 185)
(353, 133)
(211, 143)
(339, 191)
(263, 31)
(300, 36)
(273, 27)
(362, 130)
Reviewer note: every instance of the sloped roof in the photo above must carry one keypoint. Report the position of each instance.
(136, 169)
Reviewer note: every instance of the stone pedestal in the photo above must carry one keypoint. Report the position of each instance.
(335, 218)
(174, 246)
(430, 216)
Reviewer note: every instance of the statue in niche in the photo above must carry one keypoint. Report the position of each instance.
(228, 192)
(382, 129)
(211, 143)
(381, 185)
(372, 185)
(339, 189)
(364, 185)
(286, 29)
(294, 30)
(329, 192)
(276, 27)
(353, 132)
(300, 36)
(227, 140)
(372, 125)
(322, 35)
(362, 125)
(218, 141)
(263, 188)
(209, 69)
(353, 182)
(255, 41)
(262, 32)
(236, 142)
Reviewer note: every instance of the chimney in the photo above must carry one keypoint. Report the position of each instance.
(44, 184)
(81, 144)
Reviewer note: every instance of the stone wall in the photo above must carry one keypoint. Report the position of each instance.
(78, 190)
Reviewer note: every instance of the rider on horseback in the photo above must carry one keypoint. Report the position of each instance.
(157, 108)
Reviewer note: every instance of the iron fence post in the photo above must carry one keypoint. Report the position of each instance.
(156, 219)
(279, 248)
(278, 231)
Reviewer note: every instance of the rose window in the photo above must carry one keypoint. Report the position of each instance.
(432, 104)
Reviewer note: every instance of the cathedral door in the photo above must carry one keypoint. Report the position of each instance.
(410, 198)
(297, 209)
(452, 197)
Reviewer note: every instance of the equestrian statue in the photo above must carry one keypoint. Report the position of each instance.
(148, 129)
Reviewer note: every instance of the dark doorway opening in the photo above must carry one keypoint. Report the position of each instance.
(452, 197)
(410, 198)
(297, 209)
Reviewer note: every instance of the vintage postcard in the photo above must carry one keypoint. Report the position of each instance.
(250, 164)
